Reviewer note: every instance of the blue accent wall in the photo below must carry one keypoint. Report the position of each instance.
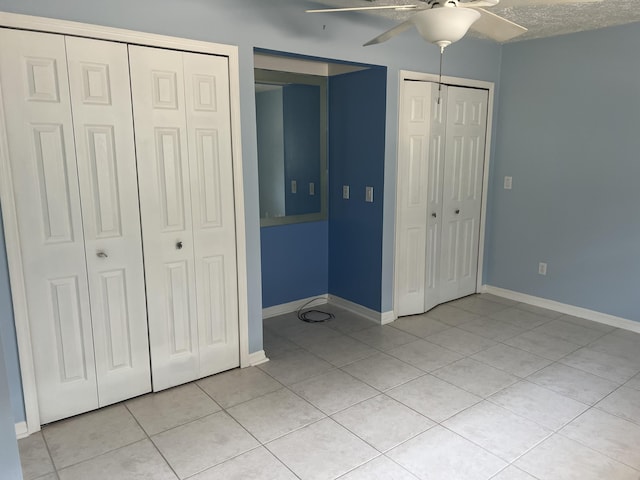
(568, 135)
(357, 115)
(294, 262)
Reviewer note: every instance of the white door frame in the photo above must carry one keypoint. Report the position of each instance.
(9, 213)
(458, 82)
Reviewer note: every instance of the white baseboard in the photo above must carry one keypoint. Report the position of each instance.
(257, 358)
(21, 430)
(565, 308)
(291, 306)
(377, 317)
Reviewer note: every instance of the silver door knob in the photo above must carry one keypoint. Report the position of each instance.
(434, 215)
(179, 245)
(101, 254)
(457, 211)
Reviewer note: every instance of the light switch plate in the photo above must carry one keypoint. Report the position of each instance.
(508, 183)
(345, 192)
(368, 196)
(294, 186)
(312, 188)
(542, 268)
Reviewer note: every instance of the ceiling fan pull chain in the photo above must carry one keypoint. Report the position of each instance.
(440, 76)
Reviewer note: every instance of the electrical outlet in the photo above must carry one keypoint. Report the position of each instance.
(368, 195)
(312, 188)
(294, 186)
(542, 268)
(345, 192)
(508, 183)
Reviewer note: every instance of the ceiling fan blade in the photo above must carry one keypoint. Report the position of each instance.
(356, 9)
(478, 3)
(392, 32)
(497, 28)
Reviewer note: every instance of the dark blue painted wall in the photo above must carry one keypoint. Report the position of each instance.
(294, 262)
(357, 116)
(301, 114)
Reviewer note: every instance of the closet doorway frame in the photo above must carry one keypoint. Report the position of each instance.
(9, 212)
(455, 82)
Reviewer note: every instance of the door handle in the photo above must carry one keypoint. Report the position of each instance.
(434, 215)
(179, 245)
(457, 211)
(101, 254)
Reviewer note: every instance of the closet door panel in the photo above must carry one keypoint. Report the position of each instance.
(214, 234)
(35, 88)
(103, 124)
(165, 207)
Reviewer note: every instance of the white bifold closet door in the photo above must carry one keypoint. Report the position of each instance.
(183, 139)
(76, 199)
(440, 168)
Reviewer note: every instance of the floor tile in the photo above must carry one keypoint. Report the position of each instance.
(501, 432)
(347, 322)
(539, 310)
(440, 454)
(451, 316)
(612, 436)
(157, 412)
(512, 360)
(275, 414)
(341, 351)
(49, 476)
(560, 458)
(419, 325)
(383, 422)
(513, 473)
(570, 332)
(491, 328)
(238, 386)
(604, 365)
(520, 318)
(434, 398)
(634, 383)
(321, 451)
(333, 391)
(380, 468)
(258, 464)
(81, 438)
(476, 304)
(542, 345)
(573, 383)
(618, 345)
(307, 334)
(383, 338)
(136, 462)
(382, 371)
(295, 366)
(425, 355)
(587, 323)
(475, 377)
(543, 406)
(34, 457)
(275, 345)
(461, 341)
(201, 444)
(495, 298)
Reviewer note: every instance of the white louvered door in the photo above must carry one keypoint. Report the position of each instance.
(181, 111)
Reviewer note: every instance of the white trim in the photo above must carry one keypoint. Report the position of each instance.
(257, 358)
(565, 308)
(291, 307)
(376, 317)
(12, 239)
(21, 430)
(462, 82)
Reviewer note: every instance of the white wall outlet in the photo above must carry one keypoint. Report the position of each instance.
(368, 194)
(294, 186)
(508, 183)
(312, 188)
(542, 268)
(345, 192)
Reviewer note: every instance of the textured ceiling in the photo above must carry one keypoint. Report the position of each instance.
(546, 20)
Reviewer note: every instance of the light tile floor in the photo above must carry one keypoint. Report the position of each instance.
(480, 388)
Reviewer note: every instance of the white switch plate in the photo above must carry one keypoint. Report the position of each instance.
(368, 196)
(542, 268)
(345, 192)
(294, 186)
(312, 188)
(508, 183)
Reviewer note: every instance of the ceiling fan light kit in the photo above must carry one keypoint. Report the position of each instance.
(444, 26)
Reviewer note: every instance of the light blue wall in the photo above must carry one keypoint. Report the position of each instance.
(569, 135)
(282, 25)
(9, 458)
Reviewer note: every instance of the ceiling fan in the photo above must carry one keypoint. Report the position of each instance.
(443, 22)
